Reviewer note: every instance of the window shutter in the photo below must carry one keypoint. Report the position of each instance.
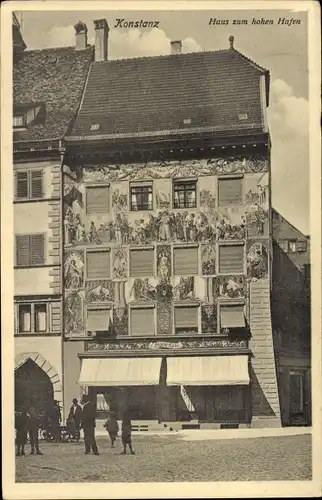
(231, 259)
(37, 244)
(36, 184)
(232, 316)
(98, 265)
(22, 250)
(186, 317)
(142, 321)
(97, 200)
(230, 191)
(185, 261)
(98, 320)
(22, 184)
(141, 263)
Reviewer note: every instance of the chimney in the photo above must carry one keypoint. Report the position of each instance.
(176, 47)
(101, 39)
(80, 36)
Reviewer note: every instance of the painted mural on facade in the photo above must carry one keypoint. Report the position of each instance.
(177, 169)
(119, 263)
(184, 288)
(162, 227)
(73, 314)
(74, 270)
(142, 290)
(164, 263)
(230, 286)
(99, 291)
(209, 318)
(257, 261)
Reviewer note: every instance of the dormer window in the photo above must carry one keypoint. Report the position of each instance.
(28, 114)
(19, 121)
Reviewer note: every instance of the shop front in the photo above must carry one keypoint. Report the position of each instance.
(206, 389)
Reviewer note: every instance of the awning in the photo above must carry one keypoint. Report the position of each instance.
(232, 317)
(208, 370)
(120, 371)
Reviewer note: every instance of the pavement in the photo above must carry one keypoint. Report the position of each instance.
(174, 459)
(206, 434)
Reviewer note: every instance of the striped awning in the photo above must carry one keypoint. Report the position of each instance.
(208, 370)
(120, 371)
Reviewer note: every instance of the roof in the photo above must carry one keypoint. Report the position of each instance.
(283, 229)
(189, 93)
(56, 78)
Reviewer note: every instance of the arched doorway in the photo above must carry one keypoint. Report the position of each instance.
(37, 382)
(33, 387)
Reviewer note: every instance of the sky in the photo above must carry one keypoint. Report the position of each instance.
(279, 48)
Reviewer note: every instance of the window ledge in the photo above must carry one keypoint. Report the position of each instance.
(186, 303)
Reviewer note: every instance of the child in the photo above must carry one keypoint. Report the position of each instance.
(126, 434)
(112, 427)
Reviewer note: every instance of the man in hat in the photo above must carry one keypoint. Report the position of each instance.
(88, 424)
(75, 413)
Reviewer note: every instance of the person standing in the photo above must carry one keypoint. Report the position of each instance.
(75, 413)
(126, 434)
(33, 429)
(56, 421)
(88, 424)
(112, 427)
(21, 426)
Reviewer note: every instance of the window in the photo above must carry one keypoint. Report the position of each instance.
(284, 245)
(24, 318)
(185, 261)
(98, 265)
(243, 116)
(19, 121)
(40, 317)
(230, 191)
(30, 250)
(97, 199)
(292, 246)
(29, 184)
(231, 259)
(232, 316)
(184, 194)
(186, 319)
(301, 246)
(141, 197)
(98, 320)
(142, 321)
(141, 263)
(32, 318)
(95, 126)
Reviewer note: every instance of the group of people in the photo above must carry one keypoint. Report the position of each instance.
(81, 416)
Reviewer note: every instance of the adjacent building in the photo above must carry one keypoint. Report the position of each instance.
(47, 88)
(291, 308)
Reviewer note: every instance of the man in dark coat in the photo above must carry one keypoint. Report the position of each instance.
(88, 424)
(33, 429)
(75, 413)
(21, 426)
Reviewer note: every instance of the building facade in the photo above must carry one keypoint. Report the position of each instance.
(167, 240)
(291, 313)
(42, 110)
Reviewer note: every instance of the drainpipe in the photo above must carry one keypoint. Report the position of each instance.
(62, 151)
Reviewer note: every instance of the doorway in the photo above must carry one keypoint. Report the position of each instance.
(33, 387)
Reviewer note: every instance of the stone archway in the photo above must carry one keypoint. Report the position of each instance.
(46, 368)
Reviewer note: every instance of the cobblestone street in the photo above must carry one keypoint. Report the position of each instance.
(169, 458)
